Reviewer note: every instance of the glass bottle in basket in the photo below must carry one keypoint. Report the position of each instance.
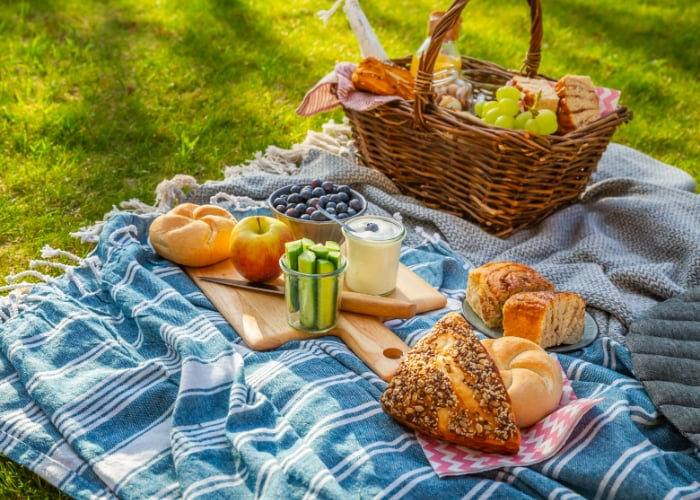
(450, 90)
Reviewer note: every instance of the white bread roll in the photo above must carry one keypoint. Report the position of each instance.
(532, 377)
(547, 318)
(193, 235)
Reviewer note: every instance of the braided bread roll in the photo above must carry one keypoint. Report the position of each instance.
(532, 377)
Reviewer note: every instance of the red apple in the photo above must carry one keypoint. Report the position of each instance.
(257, 243)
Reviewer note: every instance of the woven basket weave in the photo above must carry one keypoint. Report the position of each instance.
(505, 180)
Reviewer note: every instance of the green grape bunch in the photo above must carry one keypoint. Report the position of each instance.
(506, 112)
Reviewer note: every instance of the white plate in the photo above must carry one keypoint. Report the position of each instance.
(590, 330)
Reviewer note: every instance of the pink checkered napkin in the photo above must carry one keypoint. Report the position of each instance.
(538, 443)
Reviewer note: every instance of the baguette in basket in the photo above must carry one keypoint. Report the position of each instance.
(383, 78)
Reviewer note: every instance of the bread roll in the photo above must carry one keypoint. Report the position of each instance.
(448, 387)
(532, 377)
(193, 235)
(531, 88)
(383, 78)
(547, 318)
(578, 102)
(490, 285)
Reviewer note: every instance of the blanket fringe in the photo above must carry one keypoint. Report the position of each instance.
(16, 292)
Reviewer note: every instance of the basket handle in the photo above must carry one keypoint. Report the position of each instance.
(424, 95)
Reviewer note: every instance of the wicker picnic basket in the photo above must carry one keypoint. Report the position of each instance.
(505, 180)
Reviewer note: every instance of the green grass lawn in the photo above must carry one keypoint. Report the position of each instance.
(100, 101)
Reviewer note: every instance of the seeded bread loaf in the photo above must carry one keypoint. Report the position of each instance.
(490, 285)
(448, 387)
(532, 377)
(547, 318)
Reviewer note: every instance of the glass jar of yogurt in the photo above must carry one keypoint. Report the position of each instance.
(372, 251)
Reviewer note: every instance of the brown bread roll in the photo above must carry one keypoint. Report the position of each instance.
(547, 318)
(578, 102)
(383, 78)
(448, 387)
(537, 90)
(193, 235)
(490, 285)
(532, 377)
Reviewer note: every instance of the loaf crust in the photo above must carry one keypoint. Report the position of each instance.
(578, 102)
(547, 318)
(490, 285)
(532, 377)
(448, 387)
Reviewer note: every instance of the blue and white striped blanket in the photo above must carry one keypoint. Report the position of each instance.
(120, 380)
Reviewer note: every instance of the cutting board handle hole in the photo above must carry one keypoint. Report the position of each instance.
(393, 353)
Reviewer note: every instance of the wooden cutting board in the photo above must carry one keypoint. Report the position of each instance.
(260, 317)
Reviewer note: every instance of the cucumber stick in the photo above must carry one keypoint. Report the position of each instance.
(307, 290)
(292, 251)
(326, 294)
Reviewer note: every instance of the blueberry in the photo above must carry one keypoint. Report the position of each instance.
(341, 207)
(282, 207)
(305, 217)
(295, 188)
(318, 216)
(280, 200)
(351, 212)
(330, 205)
(355, 204)
(335, 198)
(371, 226)
(300, 208)
(318, 192)
(323, 200)
(331, 210)
(343, 197)
(313, 202)
(306, 193)
(310, 210)
(343, 215)
(291, 212)
(328, 186)
(344, 189)
(294, 198)
(316, 183)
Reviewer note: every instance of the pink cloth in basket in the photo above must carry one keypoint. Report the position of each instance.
(322, 97)
(539, 442)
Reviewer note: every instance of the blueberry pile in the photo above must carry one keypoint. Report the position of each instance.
(301, 201)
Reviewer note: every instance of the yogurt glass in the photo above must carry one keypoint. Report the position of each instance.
(373, 256)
